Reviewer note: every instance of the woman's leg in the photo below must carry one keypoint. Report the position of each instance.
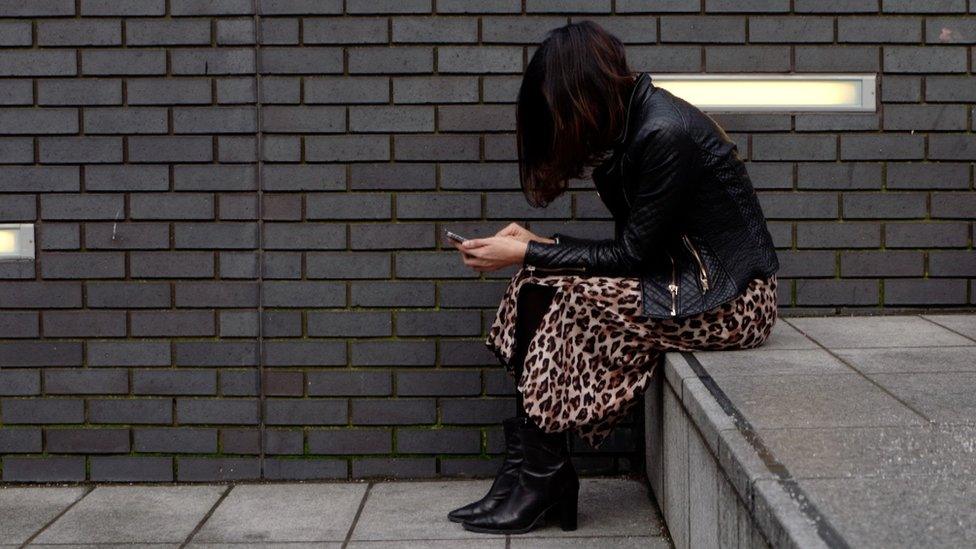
(533, 302)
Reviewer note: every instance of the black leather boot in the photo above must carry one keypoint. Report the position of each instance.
(547, 486)
(506, 477)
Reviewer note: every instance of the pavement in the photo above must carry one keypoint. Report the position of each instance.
(868, 422)
(613, 512)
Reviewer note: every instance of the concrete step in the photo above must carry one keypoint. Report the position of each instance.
(839, 432)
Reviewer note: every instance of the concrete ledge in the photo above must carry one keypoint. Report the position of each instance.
(839, 432)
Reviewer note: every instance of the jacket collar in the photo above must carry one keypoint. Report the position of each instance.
(641, 84)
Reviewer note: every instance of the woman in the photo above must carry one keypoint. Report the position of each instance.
(584, 322)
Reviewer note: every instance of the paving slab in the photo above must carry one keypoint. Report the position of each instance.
(947, 397)
(965, 324)
(134, 514)
(911, 359)
(615, 542)
(875, 451)
(876, 331)
(315, 512)
(26, 510)
(784, 337)
(269, 545)
(497, 542)
(770, 363)
(911, 511)
(815, 400)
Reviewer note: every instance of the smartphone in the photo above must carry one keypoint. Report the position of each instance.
(454, 236)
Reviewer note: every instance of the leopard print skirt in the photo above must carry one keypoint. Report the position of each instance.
(593, 355)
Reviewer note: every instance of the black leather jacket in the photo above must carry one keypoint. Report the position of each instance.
(686, 217)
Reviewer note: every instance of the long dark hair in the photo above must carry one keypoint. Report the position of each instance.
(571, 106)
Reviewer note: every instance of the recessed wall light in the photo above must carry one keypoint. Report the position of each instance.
(773, 92)
(16, 241)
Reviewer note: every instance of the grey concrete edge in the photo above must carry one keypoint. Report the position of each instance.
(772, 508)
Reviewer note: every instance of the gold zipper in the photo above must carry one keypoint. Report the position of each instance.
(531, 268)
(702, 275)
(673, 287)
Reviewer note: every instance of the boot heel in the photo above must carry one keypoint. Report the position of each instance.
(568, 506)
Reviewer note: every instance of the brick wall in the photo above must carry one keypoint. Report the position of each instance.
(131, 349)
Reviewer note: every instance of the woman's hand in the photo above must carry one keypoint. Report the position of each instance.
(520, 233)
(492, 253)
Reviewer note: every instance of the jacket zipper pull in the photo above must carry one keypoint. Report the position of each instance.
(702, 274)
(673, 287)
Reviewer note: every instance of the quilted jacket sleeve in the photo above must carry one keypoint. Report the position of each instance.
(664, 165)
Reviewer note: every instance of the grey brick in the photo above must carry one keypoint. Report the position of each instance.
(216, 294)
(214, 178)
(218, 61)
(344, 148)
(16, 92)
(349, 206)
(960, 263)
(60, 236)
(87, 206)
(172, 323)
(18, 207)
(19, 382)
(928, 292)
(479, 176)
(16, 354)
(438, 323)
(317, 411)
(436, 147)
(747, 58)
(385, 236)
(237, 149)
(856, 234)
(787, 206)
(15, 324)
(197, 469)
(279, 31)
(235, 91)
(174, 382)
(211, 7)
(36, 8)
(791, 29)
(311, 60)
(130, 7)
(350, 383)
(819, 122)
(428, 265)
(438, 206)
(214, 120)
(89, 91)
(300, 7)
(20, 440)
(837, 292)
(666, 58)
(211, 236)
(38, 63)
(167, 32)
(913, 59)
(952, 147)
(160, 149)
(15, 33)
(479, 6)
(235, 32)
(167, 264)
(438, 441)
(128, 353)
(44, 469)
(837, 58)
(16, 149)
(394, 467)
(950, 88)
(42, 410)
(346, 30)
(879, 29)
(712, 29)
(131, 469)
(95, 441)
(523, 30)
(36, 179)
(882, 147)
(401, 411)
(349, 324)
(74, 150)
(472, 59)
(794, 147)
(125, 120)
(925, 117)
(438, 383)
(931, 6)
(304, 236)
(239, 382)
(835, 6)
(402, 175)
(84, 324)
(239, 324)
(911, 234)
(573, 6)
(79, 32)
(881, 263)
(305, 353)
(242, 265)
(469, 411)
(168, 91)
(392, 353)
(476, 118)
(906, 89)
(848, 175)
(83, 265)
(348, 265)
(350, 441)
(190, 411)
(407, 89)
(347, 90)
(303, 119)
(435, 29)
(928, 175)
(128, 295)
(38, 121)
(304, 294)
(747, 6)
(388, 6)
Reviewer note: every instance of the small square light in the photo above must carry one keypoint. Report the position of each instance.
(16, 242)
(773, 92)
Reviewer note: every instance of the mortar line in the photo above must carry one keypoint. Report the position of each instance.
(58, 516)
(355, 519)
(207, 516)
(951, 330)
(259, 209)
